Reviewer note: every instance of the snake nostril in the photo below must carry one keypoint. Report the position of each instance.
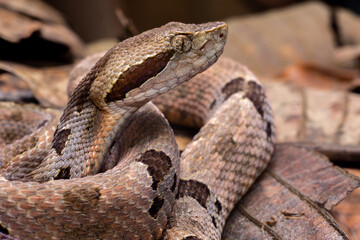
(221, 35)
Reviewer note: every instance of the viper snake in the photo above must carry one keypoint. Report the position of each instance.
(111, 168)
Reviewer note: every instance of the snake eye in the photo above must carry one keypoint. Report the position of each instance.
(181, 43)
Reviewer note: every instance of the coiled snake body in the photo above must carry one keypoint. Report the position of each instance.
(112, 169)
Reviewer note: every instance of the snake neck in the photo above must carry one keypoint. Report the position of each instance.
(83, 136)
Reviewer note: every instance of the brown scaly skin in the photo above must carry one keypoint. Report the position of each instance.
(231, 150)
(109, 205)
(220, 168)
(134, 199)
(31, 128)
(217, 168)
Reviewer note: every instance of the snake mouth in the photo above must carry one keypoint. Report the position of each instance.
(203, 46)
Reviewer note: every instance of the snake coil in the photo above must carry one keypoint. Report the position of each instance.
(111, 168)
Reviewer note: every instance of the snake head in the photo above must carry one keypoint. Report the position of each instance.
(149, 64)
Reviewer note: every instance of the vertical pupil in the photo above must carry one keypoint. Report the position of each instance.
(182, 42)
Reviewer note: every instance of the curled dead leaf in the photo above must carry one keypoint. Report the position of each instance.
(26, 34)
(44, 85)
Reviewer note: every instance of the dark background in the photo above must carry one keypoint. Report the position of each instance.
(95, 19)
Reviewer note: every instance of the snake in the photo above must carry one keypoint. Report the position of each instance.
(108, 166)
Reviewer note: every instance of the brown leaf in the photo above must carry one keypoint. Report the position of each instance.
(63, 35)
(15, 27)
(24, 36)
(347, 213)
(313, 115)
(347, 55)
(47, 85)
(291, 199)
(348, 21)
(340, 154)
(34, 9)
(270, 41)
(315, 75)
(14, 89)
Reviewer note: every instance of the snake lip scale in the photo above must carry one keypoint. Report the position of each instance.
(111, 168)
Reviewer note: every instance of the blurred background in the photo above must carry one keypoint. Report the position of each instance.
(94, 19)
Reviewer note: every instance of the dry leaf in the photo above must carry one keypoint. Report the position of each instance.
(270, 41)
(34, 9)
(24, 34)
(291, 199)
(47, 85)
(14, 89)
(348, 23)
(312, 115)
(15, 27)
(344, 56)
(347, 213)
(315, 75)
(348, 155)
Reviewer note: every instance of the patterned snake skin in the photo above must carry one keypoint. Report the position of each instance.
(112, 169)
